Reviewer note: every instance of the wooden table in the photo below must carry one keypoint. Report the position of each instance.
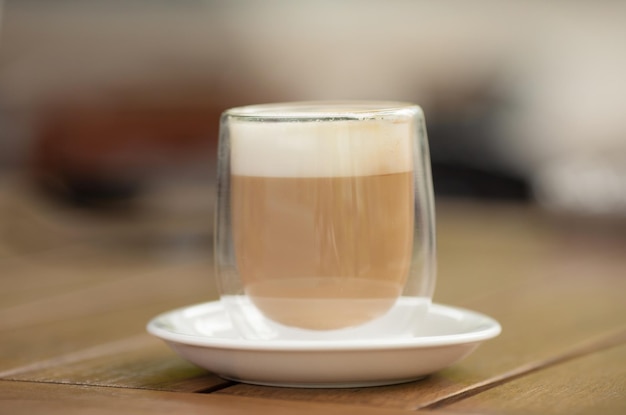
(77, 292)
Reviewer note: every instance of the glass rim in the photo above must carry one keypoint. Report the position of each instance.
(324, 110)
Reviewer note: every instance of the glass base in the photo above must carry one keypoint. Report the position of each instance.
(402, 320)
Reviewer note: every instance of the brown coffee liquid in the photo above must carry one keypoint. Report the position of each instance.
(323, 253)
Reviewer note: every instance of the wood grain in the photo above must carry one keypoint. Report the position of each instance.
(168, 283)
(593, 384)
(50, 274)
(91, 328)
(28, 398)
(97, 314)
(140, 362)
(80, 297)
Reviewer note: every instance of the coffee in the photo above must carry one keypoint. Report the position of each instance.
(340, 246)
(322, 219)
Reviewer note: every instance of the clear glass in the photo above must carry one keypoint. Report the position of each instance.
(325, 226)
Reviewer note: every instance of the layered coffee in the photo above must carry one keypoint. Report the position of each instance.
(322, 218)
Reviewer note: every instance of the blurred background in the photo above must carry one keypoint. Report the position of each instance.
(109, 109)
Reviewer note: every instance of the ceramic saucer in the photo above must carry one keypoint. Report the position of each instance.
(203, 334)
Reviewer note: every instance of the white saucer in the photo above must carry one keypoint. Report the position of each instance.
(203, 334)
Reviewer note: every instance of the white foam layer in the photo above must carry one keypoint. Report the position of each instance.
(321, 148)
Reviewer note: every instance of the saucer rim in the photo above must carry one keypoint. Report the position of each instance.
(487, 328)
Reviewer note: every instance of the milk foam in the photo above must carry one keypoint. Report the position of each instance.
(321, 148)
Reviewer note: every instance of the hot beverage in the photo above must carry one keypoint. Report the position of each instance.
(322, 218)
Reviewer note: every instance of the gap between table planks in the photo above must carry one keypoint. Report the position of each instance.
(595, 383)
(28, 398)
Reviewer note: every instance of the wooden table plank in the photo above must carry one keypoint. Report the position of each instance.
(83, 351)
(483, 249)
(549, 299)
(81, 304)
(78, 290)
(62, 331)
(58, 273)
(165, 285)
(593, 384)
(34, 398)
(140, 362)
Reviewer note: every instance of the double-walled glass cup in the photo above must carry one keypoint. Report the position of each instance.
(325, 224)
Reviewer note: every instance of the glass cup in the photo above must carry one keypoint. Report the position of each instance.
(325, 225)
